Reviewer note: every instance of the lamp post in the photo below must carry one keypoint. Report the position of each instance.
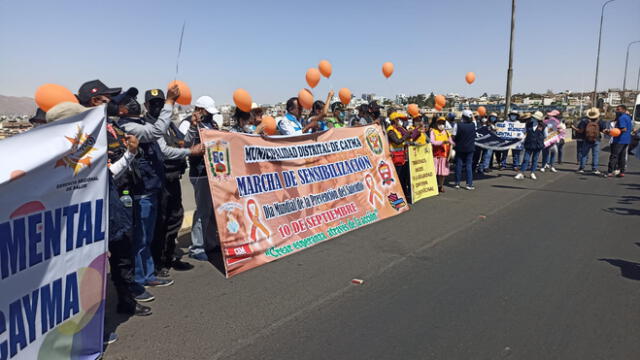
(507, 105)
(626, 64)
(595, 87)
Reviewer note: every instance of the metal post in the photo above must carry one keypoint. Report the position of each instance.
(595, 87)
(638, 81)
(507, 106)
(626, 64)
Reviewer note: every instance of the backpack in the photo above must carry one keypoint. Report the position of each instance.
(592, 131)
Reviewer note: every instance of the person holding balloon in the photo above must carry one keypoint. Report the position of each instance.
(338, 116)
(621, 135)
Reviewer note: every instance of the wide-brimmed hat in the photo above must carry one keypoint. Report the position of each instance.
(593, 113)
(525, 116)
(64, 110)
(553, 113)
(538, 115)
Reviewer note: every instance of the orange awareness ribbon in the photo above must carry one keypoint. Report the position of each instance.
(372, 189)
(254, 215)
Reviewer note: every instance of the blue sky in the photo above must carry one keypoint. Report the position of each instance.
(266, 47)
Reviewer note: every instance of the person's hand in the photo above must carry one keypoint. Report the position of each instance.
(331, 93)
(172, 94)
(197, 150)
(259, 129)
(132, 143)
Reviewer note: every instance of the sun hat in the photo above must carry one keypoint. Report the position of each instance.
(538, 115)
(64, 110)
(593, 113)
(553, 113)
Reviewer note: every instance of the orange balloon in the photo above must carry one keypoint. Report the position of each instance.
(305, 98)
(242, 99)
(387, 69)
(345, 96)
(438, 107)
(185, 92)
(325, 68)
(269, 125)
(440, 100)
(470, 77)
(482, 111)
(313, 77)
(50, 95)
(615, 132)
(413, 110)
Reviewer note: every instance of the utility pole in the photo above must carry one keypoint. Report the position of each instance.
(507, 106)
(626, 64)
(595, 87)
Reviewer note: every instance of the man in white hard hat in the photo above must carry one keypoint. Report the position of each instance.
(204, 228)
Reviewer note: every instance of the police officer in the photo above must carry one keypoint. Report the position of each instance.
(170, 210)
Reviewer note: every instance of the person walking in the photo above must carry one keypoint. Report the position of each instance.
(465, 140)
(533, 145)
(620, 143)
(590, 133)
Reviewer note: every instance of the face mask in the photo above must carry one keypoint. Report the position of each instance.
(484, 120)
(155, 108)
(441, 127)
(376, 113)
(512, 117)
(341, 115)
(493, 119)
(400, 122)
(250, 128)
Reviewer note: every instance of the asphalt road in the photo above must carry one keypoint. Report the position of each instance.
(544, 269)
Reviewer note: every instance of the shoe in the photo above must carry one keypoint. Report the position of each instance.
(163, 273)
(457, 186)
(542, 170)
(137, 310)
(468, 187)
(145, 297)
(488, 170)
(111, 338)
(159, 283)
(616, 172)
(546, 166)
(620, 175)
(608, 175)
(554, 170)
(515, 168)
(533, 176)
(580, 171)
(596, 172)
(440, 189)
(519, 176)
(180, 265)
(199, 256)
(503, 168)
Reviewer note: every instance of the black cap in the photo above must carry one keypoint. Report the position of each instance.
(374, 104)
(39, 118)
(337, 105)
(94, 88)
(131, 93)
(153, 94)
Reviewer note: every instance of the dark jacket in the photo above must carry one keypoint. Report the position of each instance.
(465, 138)
(150, 165)
(535, 137)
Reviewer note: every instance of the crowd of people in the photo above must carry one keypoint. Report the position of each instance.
(148, 154)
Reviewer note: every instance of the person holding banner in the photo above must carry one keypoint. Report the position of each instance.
(337, 120)
(533, 145)
(442, 142)
(204, 231)
(398, 136)
(516, 152)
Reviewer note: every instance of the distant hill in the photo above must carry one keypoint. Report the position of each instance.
(17, 105)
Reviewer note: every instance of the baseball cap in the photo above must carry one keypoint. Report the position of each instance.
(207, 103)
(467, 113)
(374, 104)
(153, 94)
(94, 88)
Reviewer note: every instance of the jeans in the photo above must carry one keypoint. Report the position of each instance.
(204, 228)
(145, 210)
(466, 159)
(560, 151)
(579, 144)
(585, 147)
(486, 159)
(618, 157)
(170, 216)
(530, 156)
(548, 155)
(516, 155)
(501, 158)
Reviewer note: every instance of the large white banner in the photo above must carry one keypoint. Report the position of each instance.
(53, 239)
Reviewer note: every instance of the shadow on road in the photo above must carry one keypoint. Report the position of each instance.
(628, 199)
(632, 186)
(628, 269)
(623, 211)
(552, 191)
(215, 256)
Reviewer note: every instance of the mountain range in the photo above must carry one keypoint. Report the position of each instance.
(17, 105)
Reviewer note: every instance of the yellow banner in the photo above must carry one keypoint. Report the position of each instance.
(423, 173)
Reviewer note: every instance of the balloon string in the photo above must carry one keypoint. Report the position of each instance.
(179, 49)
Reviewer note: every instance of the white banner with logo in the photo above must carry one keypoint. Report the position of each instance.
(53, 239)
